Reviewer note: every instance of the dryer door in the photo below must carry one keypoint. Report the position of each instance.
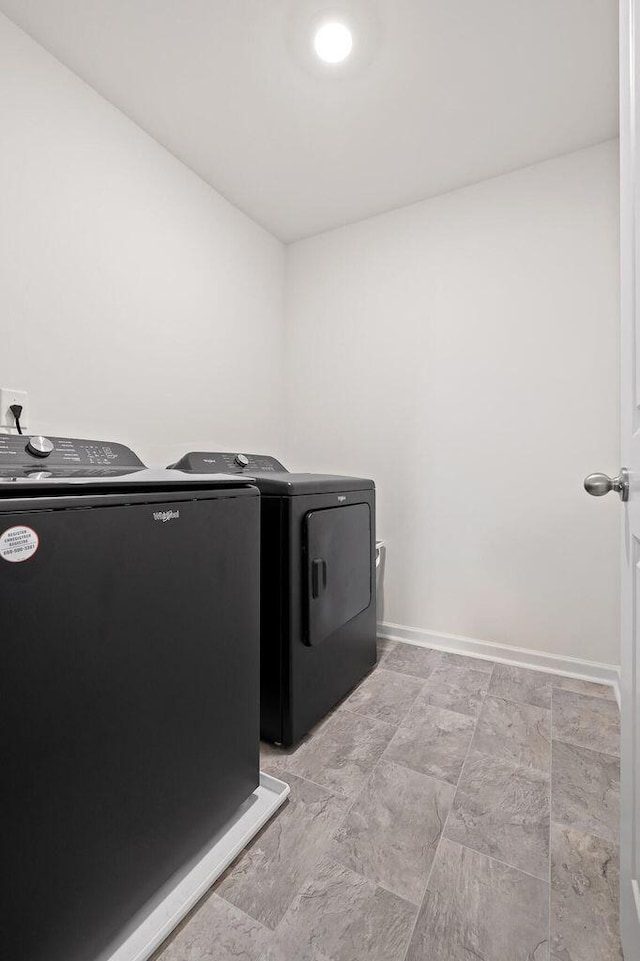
(337, 544)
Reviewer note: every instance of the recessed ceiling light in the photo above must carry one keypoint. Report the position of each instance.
(333, 42)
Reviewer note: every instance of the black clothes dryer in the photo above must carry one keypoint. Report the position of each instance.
(318, 603)
(129, 726)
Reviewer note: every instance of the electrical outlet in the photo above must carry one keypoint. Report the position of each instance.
(7, 420)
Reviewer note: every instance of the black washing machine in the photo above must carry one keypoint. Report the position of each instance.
(318, 603)
(129, 726)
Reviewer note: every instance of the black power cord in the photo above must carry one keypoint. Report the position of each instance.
(16, 410)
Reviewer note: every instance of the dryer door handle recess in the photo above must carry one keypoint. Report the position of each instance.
(318, 576)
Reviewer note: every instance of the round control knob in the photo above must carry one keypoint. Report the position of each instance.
(39, 446)
(242, 460)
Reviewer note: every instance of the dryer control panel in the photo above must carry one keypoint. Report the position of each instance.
(204, 462)
(22, 455)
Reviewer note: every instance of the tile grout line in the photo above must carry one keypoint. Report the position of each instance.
(366, 782)
(371, 717)
(513, 867)
(512, 700)
(475, 728)
(373, 769)
(567, 826)
(588, 834)
(563, 824)
(593, 697)
(515, 764)
(485, 695)
(325, 848)
(328, 845)
(349, 803)
(208, 895)
(453, 667)
(382, 759)
(581, 747)
(446, 820)
(408, 767)
(505, 864)
(299, 777)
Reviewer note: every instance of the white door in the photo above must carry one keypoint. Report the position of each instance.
(630, 454)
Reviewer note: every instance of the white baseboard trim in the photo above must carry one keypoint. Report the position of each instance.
(505, 654)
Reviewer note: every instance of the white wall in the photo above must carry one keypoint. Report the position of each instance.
(135, 303)
(463, 352)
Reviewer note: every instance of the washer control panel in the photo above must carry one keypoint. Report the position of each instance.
(39, 456)
(221, 462)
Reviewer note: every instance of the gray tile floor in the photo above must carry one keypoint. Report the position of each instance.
(449, 809)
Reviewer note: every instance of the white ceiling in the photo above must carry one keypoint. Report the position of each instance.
(438, 93)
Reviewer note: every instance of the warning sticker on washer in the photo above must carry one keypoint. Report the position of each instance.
(18, 544)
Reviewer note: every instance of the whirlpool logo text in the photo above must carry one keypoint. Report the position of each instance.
(165, 516)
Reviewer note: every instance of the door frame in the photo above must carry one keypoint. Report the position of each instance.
(629, 60)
